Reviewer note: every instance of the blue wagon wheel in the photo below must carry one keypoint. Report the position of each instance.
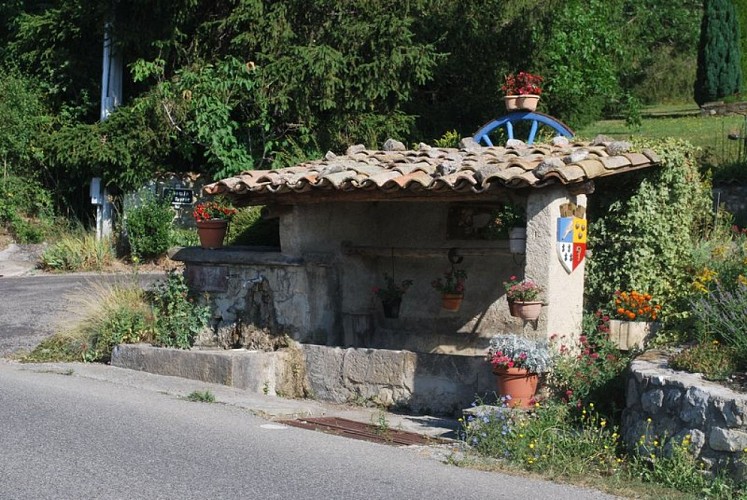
(508, 121)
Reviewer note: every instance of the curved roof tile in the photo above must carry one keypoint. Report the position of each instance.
(434, 170)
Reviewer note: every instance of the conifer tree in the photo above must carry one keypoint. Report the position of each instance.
(741, 7)
(719, 71)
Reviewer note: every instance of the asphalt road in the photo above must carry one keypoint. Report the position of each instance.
(68, 437)
(34, 307)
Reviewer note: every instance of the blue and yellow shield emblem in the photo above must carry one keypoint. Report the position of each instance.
(571, 241)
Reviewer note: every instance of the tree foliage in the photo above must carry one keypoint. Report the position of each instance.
(579, 49)
(222, 86)
(741, 9)
(719, 71)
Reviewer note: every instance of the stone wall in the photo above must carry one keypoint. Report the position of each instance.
(680, 404)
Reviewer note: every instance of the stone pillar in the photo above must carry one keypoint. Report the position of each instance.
(563, 291)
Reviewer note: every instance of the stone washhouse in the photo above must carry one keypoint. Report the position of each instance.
(344, 221)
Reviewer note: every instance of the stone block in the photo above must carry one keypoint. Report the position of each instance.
(672, 400)
(730, 440)
(651, 401)
(733, 412)
(694, 406)
(631, 395)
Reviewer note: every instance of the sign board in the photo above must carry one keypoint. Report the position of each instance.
(178, 197)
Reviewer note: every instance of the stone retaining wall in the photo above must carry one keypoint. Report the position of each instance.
(679, 403)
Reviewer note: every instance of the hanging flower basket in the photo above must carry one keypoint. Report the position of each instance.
(528, 311)
(451, 301)
(391, 307)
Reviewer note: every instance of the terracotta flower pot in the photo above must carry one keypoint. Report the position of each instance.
(527, 310)
(510, 102)
(391, 307)
(212, 232)
(451, 301)
(512, 308)
(517, 383)
(527, 102)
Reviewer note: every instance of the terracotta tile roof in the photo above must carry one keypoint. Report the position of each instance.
(471, 169)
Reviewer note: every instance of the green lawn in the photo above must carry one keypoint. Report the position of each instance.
(707, 132)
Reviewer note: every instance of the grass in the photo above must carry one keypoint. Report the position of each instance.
(706, 132)
(79, 252)
(112, 314)
(201, 396)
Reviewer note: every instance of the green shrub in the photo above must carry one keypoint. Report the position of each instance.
(178, 319)
(148, 227)
(124, 313)
(721, 314)
(78, 253)
(126, 323)
(184, 237)
(645, 227)
(25, 209)
(719, 72)
(592, 369)
(249, 228)
(712, 359)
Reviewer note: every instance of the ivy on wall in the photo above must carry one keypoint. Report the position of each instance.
(643, 233)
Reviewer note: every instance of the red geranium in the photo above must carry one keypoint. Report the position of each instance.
(212, 210)
(522, 83)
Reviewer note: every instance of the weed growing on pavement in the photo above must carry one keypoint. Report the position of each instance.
(201, 396)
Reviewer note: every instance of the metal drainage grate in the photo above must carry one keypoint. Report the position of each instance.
(365, 432)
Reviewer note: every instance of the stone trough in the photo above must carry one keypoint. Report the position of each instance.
(418, 382)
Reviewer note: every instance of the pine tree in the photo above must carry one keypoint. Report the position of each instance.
(719, 71)
(741, 7)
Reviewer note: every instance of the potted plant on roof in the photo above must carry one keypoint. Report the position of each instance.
(633, 321)
(517, 362)
(522, 298)
(212, 220)
(391, 295)
(451, 286)
(521, 91)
